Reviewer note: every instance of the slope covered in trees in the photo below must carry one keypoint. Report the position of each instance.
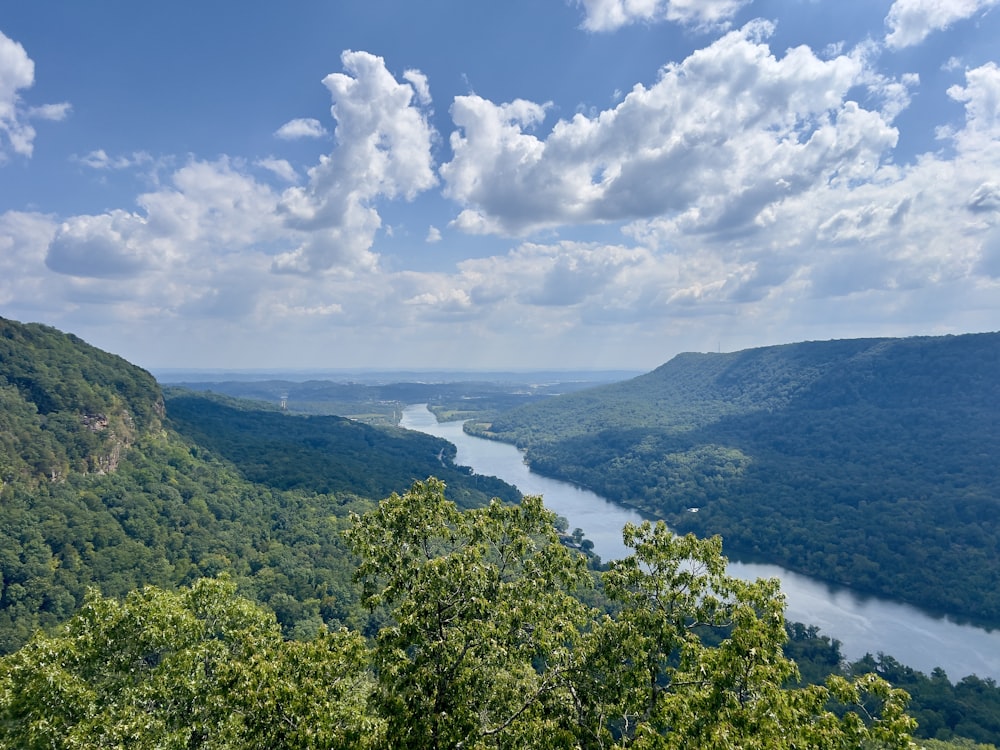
(324, 454)
(869, 462)
(67, 406)
(216, 487)
(486, 647)
(260, 496)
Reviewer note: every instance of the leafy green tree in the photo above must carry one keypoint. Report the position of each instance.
(694, 659)
(196, 668)
(480, 646)
(487, 648)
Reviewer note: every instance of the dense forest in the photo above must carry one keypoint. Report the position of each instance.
(101, 486)
(486, 647)
(870, 463)
(199, 571)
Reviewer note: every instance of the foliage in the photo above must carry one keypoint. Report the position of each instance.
(323, 453)
(485, 647)
(968, 710)
(864, 462)
(169, 510)
(169, 515)
(488, 649)
(483, 618)
(66, 406)
(196, 668)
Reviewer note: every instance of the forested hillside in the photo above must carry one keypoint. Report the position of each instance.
(870, 462)
(486, 646)
(99, 486)
(473, 625)
(66, 406)
(325, 454)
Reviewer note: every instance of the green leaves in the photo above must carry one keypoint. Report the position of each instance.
(484, 646)
(483, 617)
(196, 668)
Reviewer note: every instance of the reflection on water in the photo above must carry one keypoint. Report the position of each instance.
(863, 624)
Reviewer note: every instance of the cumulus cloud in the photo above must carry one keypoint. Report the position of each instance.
(981, 96)
(608, 15)
(433, 234)
(383, 150)
(17, 72)
(911, 21)
(208, 242)
(209, 208)
(713, 143)
(305, 127)
(24, 241)
(280, 168)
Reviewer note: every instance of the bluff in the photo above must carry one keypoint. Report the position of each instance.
(868, 462)
(66, 406)
(106, 485)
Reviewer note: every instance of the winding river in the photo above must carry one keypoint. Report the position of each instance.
(863, 624)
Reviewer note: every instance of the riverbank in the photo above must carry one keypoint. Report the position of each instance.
(863, 624)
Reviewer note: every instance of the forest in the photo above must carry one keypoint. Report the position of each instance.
(484, 646)
(868, 463)
(201, 486)
(185, 569)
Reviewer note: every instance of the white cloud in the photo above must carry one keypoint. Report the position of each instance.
(383, 150)
(420, 86)
(17, 72)
(981, 95)
(100, 160)
(760, 203)
(718, 139)
(608, 15)
(24, 240)
(208, 242)
(53, 112)
(212, 210)
(911, 21)
(306, 127)
(209, 209)
(280, 168)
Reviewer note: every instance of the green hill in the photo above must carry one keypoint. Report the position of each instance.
(66, 406)
(101, 485)
(870, 462)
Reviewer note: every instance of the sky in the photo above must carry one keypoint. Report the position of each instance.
(533, 184)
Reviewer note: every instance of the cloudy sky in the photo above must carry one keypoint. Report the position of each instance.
(525, 184)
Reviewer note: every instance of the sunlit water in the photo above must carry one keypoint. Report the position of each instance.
(863, 624)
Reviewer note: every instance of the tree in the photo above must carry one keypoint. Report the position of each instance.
(486, 646)
(483, 620)
(196, 668)
(489, 648)
(693, 659)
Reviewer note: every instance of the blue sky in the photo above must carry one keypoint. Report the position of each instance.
(553, 183)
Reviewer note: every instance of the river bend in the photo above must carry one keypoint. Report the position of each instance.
(863, 624)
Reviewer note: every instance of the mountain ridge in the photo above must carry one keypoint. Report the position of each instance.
(865, 462)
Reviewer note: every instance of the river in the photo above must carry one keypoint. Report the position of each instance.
(863, 624)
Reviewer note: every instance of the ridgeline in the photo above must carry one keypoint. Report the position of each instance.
(870, 463)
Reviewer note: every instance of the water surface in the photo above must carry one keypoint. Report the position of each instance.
(863, 624)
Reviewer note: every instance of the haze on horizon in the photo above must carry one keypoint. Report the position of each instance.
(567, 184)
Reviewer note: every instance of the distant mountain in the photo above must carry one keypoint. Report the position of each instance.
(871, 462)
(103, 485)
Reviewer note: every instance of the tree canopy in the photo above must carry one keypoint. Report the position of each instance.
(483, 645)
